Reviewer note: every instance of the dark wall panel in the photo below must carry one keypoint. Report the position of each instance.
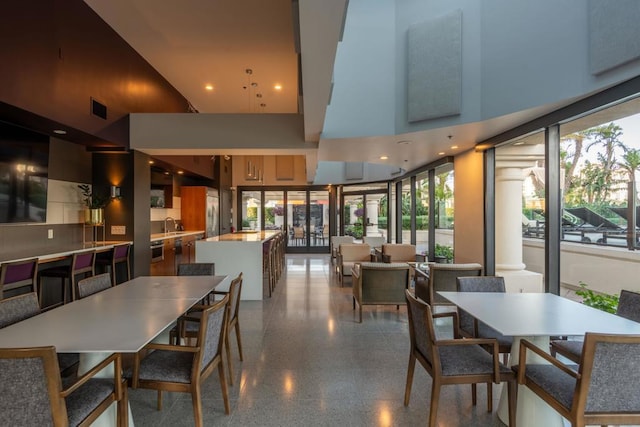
(58, 54)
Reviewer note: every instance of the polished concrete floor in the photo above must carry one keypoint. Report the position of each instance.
(308, 362)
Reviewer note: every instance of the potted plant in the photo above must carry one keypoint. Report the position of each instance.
(443, 254)
(94, 205)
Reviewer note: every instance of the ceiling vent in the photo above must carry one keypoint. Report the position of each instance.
(98, 109)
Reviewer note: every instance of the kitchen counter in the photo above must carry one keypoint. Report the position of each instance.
(174, 234)
(244, 236)
(61, 252)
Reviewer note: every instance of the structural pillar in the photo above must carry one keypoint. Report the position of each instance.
(508, 209)
(371, 216)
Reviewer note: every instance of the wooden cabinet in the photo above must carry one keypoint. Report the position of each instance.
(167, 266)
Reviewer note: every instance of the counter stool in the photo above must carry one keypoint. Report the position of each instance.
(82, 263)
(18, 274)
(119, 254)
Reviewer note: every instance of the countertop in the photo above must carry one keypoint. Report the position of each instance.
(65, 251)
(244, 236)
(174, 234)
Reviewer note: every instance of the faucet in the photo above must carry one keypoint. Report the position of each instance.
(175, 224)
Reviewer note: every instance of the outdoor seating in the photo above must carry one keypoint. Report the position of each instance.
(349, 255)
(376, 283)
(628, 307)
(442, 277)
(603, 390)
(452, 361)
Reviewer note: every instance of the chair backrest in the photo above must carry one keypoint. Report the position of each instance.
(421, 330)
(476, 284)
(400, 252)
(83, 262)
(610, 375)
(629, 305)
(197, 269)
(30, 387)
(355, 252)
(15, 309)
(374, 241)
(442, 277)
(211, 334)
(298, 232)
(337, 240)
(18, 274)
(121, 252)
(93, 284)
(234, 296)
(383, 282)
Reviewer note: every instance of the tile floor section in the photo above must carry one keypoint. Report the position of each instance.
(309, 363)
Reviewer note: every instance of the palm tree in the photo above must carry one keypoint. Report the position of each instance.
(608, 137)
(570, 158)
(631, 163)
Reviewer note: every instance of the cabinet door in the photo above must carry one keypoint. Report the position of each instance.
(169, 263)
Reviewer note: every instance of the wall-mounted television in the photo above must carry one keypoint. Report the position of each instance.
(24, 163)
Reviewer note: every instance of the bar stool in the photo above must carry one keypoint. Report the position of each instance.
(82, 263)
(18, 274)
(119, 254)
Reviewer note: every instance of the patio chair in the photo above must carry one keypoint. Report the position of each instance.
(628, 307)
(452, 361)
(604, 388)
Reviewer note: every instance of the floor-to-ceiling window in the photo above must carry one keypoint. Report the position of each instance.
(251, 205)
(406, 211)
(274, 210)
(422, 212)
(443, 210)
(365, 210)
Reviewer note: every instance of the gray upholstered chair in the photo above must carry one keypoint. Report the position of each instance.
(602, 389)
(182, 368)
(442, 277)
(21, 307)
(198, 269)
(377, 283)
(452, 361)
(469, 326)
(189, 324)
(93, 284)
(400, 252)
(628, 307)
(32, 393)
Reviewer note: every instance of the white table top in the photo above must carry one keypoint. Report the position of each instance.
(121, 319)
(245, 237)
(538, 314)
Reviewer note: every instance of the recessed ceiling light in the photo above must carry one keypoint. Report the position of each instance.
(60, 131)
(384, 157)
(277, 86)
(454, 147)
(151, 162)
(519, 143)
(209, 87)
(441, 153)
(404, 142)
(166, 173)
(180, 172)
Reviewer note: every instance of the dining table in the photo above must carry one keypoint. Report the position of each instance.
(121, 319)
(536, 317)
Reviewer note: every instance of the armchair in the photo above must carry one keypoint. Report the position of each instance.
(603, 390)
(452, 361)
(376, 283)
(335, 244)
(349, 255)
(400, 252)
(442, 277)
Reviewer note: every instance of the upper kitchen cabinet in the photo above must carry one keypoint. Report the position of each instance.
(200, 207)
(161, 189)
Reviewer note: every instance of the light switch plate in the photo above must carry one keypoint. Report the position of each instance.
(50, 233)
(118, 229)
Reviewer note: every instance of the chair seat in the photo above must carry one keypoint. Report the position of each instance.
(84, 400)
(573, 347)
(558, 383)
(467, 360)
(67, 360)
(167, 366)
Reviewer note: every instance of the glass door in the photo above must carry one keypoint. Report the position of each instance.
(307, 220)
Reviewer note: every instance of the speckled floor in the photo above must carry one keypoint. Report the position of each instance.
(307, 362)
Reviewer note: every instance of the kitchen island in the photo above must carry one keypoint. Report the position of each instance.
(235, 253)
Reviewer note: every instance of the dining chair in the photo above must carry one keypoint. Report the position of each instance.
(198, 269)
(469, 326)
(94, 284)
(18, 274)
(442, 277)
(628, 307)
(119, 254)
(21, 307)
(452, 361)
(602, 389)
(33, 393)
(189, 324)
(82, 263)
(183, 369)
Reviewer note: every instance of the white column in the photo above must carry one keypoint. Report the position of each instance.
(352, 213)
(372, 213)
(508, 207)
